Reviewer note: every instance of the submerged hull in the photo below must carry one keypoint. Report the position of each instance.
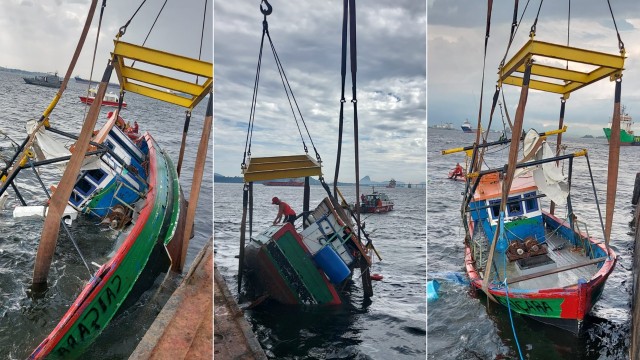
(309, 267)
(113, 284)
(536, 292)
(364, 209)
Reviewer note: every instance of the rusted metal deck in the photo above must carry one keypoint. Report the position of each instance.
(184, 327)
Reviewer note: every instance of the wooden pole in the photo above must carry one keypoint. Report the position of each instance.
(198, 172)
(243, 230)
(306, 200)
(511, 168)
(60, 197)
(614, 159)
(635, 302)
(185, 130)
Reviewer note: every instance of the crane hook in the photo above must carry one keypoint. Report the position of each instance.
(268, 10)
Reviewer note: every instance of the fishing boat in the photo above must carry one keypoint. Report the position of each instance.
(627, 134)
(376, 202)
(312, 263)
(285, 182)
(549, 265)
(307, 267)
(49, 80)
(553, 268)
(466, 127)
(128, 185)
(80, 80)
(143, 205)
(110, 99)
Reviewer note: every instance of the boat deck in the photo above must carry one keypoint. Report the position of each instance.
(562, 253)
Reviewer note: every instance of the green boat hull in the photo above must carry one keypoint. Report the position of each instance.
(625, 137)
(113, 286)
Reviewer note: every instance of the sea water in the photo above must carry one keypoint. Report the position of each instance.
(390, 325)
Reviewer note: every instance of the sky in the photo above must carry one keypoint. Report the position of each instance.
(391, 85)
(41, 35)
(456, 31)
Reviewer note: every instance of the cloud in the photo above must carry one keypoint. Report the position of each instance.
(391, 85)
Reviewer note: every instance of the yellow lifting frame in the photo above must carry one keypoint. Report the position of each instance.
(281, 167)
(162, 87)
(568, 80)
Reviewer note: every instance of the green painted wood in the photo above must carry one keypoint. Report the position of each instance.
(99, 312)
(306, 268)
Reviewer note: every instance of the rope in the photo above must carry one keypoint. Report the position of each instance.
(123, 28)
(535, 22)
(513, 328)
(204, 17)
(620, 43)
(343, 72)
(287, 88)
(152, 25)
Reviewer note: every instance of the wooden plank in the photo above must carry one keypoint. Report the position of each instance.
(556, 270)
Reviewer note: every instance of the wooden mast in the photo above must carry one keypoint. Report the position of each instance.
(61, 196)
(196, 183)
(511, 168)
(614, 159)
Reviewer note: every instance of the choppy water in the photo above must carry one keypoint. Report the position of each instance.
(24, 322)
(461, 325)
(390, 326)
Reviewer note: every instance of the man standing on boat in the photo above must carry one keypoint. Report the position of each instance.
(283, 210)
(456, 172)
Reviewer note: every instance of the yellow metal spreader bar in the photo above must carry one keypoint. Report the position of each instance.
(566, 81)
(500, 142)
(162, 87)
(281, 167)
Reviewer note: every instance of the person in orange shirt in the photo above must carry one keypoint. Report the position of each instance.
(283, 210)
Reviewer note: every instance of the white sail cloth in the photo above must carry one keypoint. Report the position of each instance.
(548, 176)
(47, 147)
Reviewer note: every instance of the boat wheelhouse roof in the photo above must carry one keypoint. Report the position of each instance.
(491, 186)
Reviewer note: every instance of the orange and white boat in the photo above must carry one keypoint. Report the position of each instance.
(109, 99)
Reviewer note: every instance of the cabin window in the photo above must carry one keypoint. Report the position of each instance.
(530, 202)
(75, 198)
(495, 208)
(110, 144)
(96, 175)
(84, 187)
(514, 206)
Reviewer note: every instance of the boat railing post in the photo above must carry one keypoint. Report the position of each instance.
(243, 229)
(305, 204)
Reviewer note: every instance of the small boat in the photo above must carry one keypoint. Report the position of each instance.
(49, 80)
(627, 135)
(286, 182)
(109, 99)
(80, 80)
(392, 184)
(309, 267)
(376, 202)
(466, 127)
